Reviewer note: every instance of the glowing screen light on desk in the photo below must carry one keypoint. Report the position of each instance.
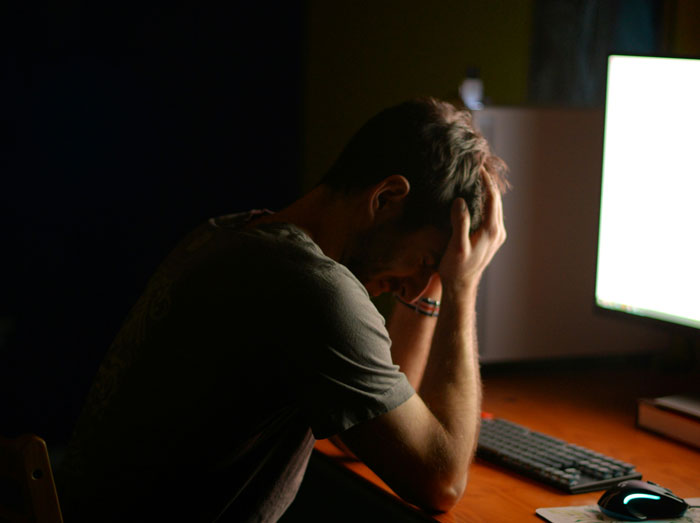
(649, 231)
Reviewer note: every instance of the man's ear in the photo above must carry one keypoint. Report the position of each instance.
(387, 196)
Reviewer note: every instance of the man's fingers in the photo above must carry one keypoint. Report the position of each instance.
(461, 221)
(494, 210)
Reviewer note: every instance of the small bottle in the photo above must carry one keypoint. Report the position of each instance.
(471, 90)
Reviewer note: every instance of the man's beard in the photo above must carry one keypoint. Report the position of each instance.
(371, 253)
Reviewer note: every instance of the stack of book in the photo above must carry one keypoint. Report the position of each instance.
(677, 417)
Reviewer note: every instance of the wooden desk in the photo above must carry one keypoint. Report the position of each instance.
(594, 408)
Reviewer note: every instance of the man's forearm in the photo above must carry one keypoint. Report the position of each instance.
(412, 334)
(411, 338)
(451, 385)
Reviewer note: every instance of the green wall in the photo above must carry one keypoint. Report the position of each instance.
(364, 56)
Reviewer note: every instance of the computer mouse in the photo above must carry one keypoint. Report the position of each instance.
(635, 500)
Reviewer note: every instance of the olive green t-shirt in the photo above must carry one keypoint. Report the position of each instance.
(247, 345)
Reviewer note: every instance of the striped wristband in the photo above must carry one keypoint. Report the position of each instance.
(425, 306)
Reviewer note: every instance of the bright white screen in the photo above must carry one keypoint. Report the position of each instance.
(649, 238)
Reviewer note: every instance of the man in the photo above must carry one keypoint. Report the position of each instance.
(257, 336)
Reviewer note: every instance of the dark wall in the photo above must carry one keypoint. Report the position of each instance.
(122, 127)
(365, 56)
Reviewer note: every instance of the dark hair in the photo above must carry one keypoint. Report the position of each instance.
(435, 146)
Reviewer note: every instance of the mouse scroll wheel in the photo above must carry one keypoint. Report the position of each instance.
(662, 488)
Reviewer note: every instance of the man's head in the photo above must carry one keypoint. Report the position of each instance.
(409, 163)
(435, 147)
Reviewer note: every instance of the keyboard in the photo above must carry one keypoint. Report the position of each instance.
(565, 466)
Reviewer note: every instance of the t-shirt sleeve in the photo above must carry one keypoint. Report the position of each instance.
(349, 373)
(327, 343)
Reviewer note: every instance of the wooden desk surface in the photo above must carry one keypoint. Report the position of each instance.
(594, 408)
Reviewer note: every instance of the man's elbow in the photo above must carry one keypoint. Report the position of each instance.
(441, 495)
(448, 495)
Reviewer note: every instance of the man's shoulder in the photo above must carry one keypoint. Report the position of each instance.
(276, 253)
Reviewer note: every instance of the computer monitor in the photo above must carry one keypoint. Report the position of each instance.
(648, 260)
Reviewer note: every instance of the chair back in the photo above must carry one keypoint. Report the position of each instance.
(27, 489)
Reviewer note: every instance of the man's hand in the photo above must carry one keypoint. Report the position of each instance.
(467, 256)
